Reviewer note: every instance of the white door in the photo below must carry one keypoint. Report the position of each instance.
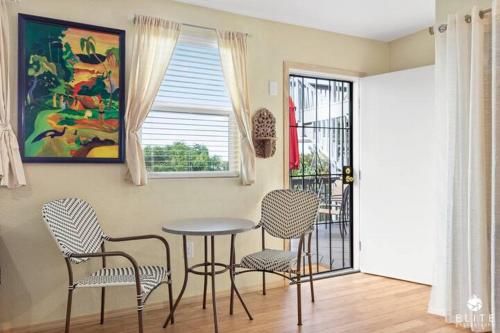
(397, 205)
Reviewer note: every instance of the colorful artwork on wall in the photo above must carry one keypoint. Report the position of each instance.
(71, 91)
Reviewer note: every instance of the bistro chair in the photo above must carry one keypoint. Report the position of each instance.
(345, 212)
(286, 214)
(74, 226)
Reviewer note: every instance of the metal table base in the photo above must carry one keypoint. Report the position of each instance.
(212, 272)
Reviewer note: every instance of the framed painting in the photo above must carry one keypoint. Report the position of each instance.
(71, 91)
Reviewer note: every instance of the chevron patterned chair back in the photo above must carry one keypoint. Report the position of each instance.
(289, 214)
(286, 214)
(73, 224)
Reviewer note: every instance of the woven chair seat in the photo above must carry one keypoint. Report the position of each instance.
(150, 276)
(270, 260)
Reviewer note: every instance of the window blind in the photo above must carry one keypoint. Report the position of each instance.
(194, 78)
(190, 127)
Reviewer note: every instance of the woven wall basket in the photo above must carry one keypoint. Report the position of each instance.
(264, 133)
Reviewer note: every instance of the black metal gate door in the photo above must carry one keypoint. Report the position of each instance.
(322, 162)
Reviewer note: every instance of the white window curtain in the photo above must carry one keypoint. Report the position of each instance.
(233, 54)
(11, 167)
(462, 287)
(154, 43)
(496, 166)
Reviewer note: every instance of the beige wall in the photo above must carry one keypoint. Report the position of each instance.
(34, 278)
(417, 49)
(411, 51)
(445, 7)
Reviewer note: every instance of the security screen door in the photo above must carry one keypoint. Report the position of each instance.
(320, 160)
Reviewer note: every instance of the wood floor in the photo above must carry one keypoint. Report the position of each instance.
(351, 303)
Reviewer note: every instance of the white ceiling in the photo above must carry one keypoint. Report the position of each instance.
(382, 20)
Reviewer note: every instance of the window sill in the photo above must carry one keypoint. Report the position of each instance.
(191, 175)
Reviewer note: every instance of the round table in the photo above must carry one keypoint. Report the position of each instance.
(209, 227)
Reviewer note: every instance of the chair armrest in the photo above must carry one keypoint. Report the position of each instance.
(263, 235)
(309, 236)
(299, 250)
(106, 254)
(114, 254)
(143, 237)
(140, 237)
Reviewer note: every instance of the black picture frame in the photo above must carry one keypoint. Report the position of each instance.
(23, 19)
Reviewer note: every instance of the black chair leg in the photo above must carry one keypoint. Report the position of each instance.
(140, 307)
(263, 283)
(170, 300)
(68, 310)
(103, 297)
(311, 278)
(184, 284)
(299, 301)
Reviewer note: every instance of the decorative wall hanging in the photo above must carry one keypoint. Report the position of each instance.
(264, 133)
(71, 84)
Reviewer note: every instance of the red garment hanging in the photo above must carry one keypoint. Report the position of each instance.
(294, 158)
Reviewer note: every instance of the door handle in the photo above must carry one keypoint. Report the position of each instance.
(347, 175)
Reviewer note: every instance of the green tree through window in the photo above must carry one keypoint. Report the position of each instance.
(181, 157)
(312, 164)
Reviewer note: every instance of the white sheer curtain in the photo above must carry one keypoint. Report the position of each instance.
(462, 287)
(11, 167)
(233, 54)
(496, 166)
(154, 43)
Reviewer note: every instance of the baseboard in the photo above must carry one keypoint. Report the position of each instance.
(59, 324)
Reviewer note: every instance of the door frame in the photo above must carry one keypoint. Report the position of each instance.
(290, 67)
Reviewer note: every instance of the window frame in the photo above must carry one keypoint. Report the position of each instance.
(234, 137)
(192, 174)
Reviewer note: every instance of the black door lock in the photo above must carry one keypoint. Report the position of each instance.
(347, 175)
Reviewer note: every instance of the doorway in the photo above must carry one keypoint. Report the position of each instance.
(320, 160)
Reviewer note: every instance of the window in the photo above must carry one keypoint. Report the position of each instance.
(191, 130)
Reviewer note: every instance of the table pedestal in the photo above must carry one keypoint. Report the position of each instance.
(212, 272)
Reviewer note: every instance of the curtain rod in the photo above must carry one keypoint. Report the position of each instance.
(195, 26)
(442, 28)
